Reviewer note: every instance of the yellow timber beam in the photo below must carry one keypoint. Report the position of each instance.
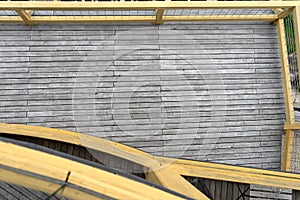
(220, 18)
(95, 179)
(42, 185)
(96, 143)
(161, 167)
(233, 173)
(148, 5)
(296, 18)
(237, 176)
(11, 19)
(289, 110)
(91, 19)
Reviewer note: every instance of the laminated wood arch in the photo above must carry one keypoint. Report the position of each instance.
(47, 172)
(169, 176)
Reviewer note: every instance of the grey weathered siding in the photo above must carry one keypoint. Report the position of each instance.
(207, 91)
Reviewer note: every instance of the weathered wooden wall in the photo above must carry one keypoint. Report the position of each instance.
(207, 91)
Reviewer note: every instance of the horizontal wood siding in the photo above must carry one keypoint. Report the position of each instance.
(206, 91)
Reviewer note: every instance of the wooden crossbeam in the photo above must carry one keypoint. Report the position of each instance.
(221, 18)
(154, 19)
(24, 8)
(91, 19)
(236, 176)
(291, 126)
(148, 5)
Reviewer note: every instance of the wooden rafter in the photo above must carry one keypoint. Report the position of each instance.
(148, 5)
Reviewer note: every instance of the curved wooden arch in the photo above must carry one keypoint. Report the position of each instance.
(55, 167)
(167, 172)
(43, 184)
(153, 165)
(91, 142)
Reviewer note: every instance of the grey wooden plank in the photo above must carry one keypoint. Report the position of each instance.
(170, 97)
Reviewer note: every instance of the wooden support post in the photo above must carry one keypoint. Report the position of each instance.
(159, 16)
(289, 110)
(288, 148)
(296, 17)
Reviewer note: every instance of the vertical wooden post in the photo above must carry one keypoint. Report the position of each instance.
(296, 17)
(289, 110)
(159, 16)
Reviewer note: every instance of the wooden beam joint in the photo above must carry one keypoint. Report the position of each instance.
(159, 16)
(288, 126)
(25, 16)
(285, 13)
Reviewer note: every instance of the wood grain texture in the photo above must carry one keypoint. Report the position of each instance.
(180, 107)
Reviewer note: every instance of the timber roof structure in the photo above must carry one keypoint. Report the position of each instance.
(25, 156)
(50, 160)
(157, 12)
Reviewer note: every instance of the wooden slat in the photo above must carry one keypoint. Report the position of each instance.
(295, 194)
